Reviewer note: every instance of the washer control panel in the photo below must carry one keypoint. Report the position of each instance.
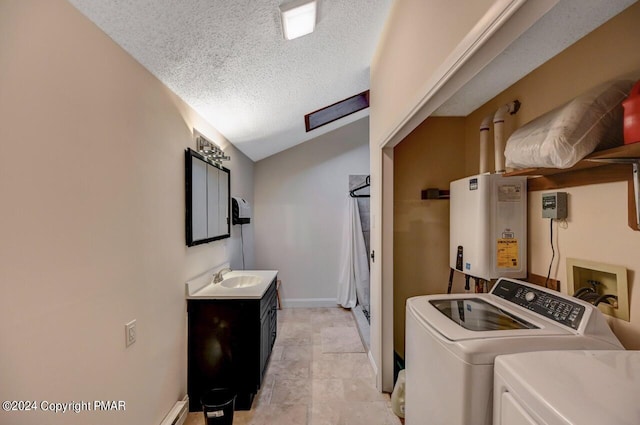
(551, 306)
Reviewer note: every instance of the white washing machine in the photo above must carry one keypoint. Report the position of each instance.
(452, 341)
(567, 388)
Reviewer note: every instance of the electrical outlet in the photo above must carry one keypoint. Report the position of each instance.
(130, 332)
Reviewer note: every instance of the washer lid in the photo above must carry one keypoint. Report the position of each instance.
(476, 314)
(575, 387)
(460, 317)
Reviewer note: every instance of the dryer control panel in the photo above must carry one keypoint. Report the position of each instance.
(555, 307)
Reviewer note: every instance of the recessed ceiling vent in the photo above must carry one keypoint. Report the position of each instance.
(336, 111)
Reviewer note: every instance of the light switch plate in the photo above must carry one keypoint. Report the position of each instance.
(130, 332)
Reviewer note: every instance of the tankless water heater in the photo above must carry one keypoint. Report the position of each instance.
(488, 226)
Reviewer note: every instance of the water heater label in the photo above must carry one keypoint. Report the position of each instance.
(509, 193)
(507, 254)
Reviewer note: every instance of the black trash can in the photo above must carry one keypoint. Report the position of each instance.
(217, 405)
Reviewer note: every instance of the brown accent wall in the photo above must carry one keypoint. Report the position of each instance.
(430, 157)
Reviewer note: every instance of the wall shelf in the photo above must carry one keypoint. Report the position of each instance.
(593, 169)
(625, 151)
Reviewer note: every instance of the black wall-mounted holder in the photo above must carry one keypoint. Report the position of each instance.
(434, 194)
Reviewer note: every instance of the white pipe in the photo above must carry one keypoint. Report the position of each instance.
(498, 146)
(485, 126)
(498, 132)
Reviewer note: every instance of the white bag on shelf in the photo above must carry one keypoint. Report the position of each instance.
(562, 137)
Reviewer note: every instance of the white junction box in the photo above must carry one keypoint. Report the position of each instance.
(488, 226)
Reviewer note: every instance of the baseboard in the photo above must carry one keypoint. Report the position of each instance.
(309, 302)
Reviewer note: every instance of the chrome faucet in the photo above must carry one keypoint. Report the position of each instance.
(218, 277)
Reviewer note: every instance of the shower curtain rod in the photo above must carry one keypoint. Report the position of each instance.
(367, 183)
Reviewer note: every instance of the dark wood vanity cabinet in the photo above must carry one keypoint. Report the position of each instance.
(230, 342)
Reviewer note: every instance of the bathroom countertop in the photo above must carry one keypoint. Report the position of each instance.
(202, 288)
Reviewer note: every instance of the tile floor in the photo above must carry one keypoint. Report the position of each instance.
(319, 374)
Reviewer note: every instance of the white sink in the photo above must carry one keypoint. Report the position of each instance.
(237, 284)
(243, 281)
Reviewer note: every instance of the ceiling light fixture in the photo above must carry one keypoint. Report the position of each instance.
(298, 18)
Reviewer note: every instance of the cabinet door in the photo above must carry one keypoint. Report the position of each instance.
(265, 343)
(213, 225)
(223, 202)
(212, 328)
(199, 200)
(273, 323)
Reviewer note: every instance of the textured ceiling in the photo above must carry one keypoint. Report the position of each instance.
(229, 60)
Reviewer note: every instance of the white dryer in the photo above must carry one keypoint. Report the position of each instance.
(452, 341)
(567, 388)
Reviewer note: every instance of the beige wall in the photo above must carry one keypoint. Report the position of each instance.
(431, 156)
(597, 226)
(419, 37)
(421, 42)
(92, 220)
(300, 204)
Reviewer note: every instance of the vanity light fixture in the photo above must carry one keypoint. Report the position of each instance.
(210, 151)
(298, 18)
